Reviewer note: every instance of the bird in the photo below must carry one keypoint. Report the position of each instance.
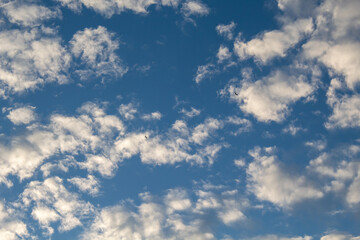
(236, 93)
(146, 137)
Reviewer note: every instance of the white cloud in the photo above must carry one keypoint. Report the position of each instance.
(205, 71)
(128, 111)
(103, 141)
(292, 129)
(340, 58)
(334, 42)
(203, 131)
(276, 237)
(10, 227)
(29, 59)
(96, 47)
(177, 200)
(172, 216)
(346, 108)
(240, 163)
(194, 7)
(335, 236)
(89, 184)
(152, 116)
(111, 7)
(190, 113)
(27, 14)
(22, 115)
(340, 176)
(149, 220)
(226, 30)
(268, 99)
(62, 137)
(242, 124)
(50, 202)
(317, 144)
(223, 54)
(268, 181)
(274, 43)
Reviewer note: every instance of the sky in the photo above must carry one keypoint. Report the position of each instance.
(180, 119)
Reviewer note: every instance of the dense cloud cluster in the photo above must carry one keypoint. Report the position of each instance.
(55, 163)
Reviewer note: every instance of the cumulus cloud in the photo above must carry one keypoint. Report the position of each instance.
(292, 129)
(334, 42)
(346, 108)
(317, 144)
(340, 58)
(268, 99)
(205, 71)
(274, 43)
(223, 54)
(335, 236)
(103, 141)
(194, 7)
(128, 111)
(27, 14)
(152, 116)
(226, 30)
(31, 58)
(111, 7)
(173, 216)
(190, 113)
(340, 176)
(11, 227)
(89, 184)
(22, 115)
(276, 237)
(269, 181)
(96, 47)
(51, 202)
(66, 135)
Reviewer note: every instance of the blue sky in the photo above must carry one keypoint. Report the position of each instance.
(180, 119)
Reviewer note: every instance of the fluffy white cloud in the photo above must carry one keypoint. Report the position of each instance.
(89, 184)
(28, 14)
(346, 108)
(22, 115)
(226, 30)
(194, 7)
(152, 116)
(276, 237)
(268, 99)
(50, 202)
(128, 111)
(335, 236)
(292, 129)
(31, 58)
(110, 7)
(10, 227)
(340, 58)
(223, 54)
(63, 137)
(204, 130)
(172, 216)
(205, 71)
(269, 181)
(334, 42)
(317, 144)
(274, 43)
(190, 113)
(340, 176)
(97, 49)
